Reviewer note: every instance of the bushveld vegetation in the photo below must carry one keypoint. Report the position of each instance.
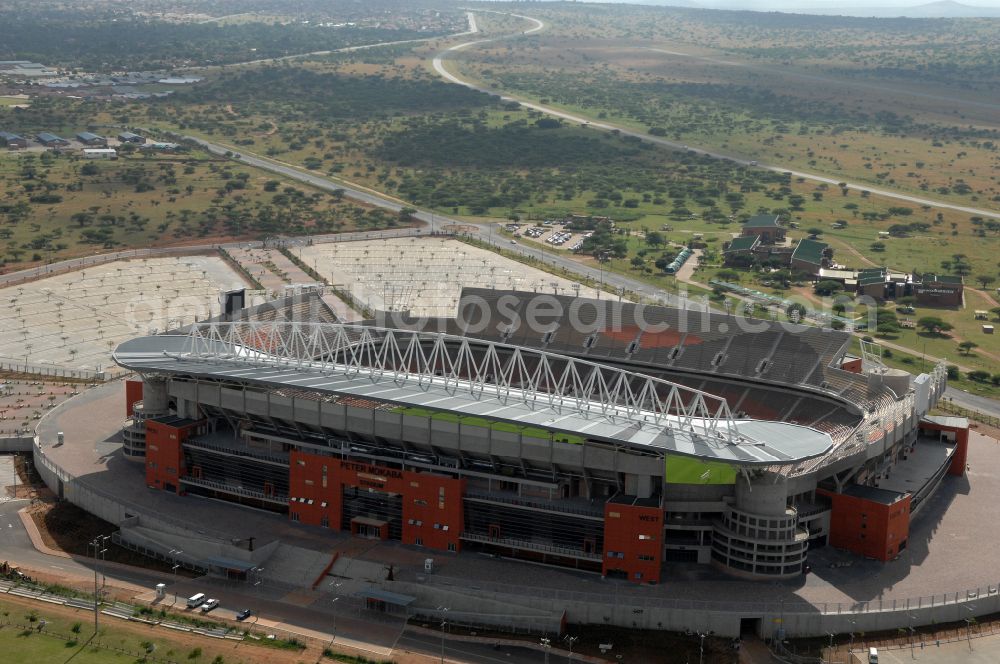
(147, 35)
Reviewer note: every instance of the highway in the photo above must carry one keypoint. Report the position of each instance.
(485, 232)
(349, 49)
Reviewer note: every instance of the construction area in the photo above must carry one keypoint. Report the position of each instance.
(74, 320)
(424, 275)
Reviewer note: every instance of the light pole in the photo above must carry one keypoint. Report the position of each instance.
(546, 647)
(830, 649)
(173, 554)
(98, 544)
(444, 624)
(701, 647)
(333, 602)
(570, 640)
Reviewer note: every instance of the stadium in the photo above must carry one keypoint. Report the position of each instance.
(590, 434)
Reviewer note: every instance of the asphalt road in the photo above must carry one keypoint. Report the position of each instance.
(472, 30)
(16, 547)
(474, 653)
(973, 402)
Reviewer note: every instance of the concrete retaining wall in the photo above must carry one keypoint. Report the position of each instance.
(16, 444)
(724, 618)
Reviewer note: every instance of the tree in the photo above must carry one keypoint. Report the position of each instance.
(731, 276)
(878, 247)
(985, 280)
(966, 347)
(654, 238)
(996, 312)
(953, 372)
(795, 312)
(815, 231)
(934, 325)
(979, 376)
(828, 287)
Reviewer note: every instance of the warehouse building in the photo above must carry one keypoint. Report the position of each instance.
(93, 140)
(12, 141)
(50, 140)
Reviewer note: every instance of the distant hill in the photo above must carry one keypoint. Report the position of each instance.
(940, 9)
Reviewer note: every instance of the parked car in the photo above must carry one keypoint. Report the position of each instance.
(209, 605)
(244, 614)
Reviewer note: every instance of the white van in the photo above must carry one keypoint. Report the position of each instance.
(196, 600)
(873, 656)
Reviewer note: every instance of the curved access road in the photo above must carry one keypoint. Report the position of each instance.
(438, 64)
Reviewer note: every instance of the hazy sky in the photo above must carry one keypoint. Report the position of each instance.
(804, 4)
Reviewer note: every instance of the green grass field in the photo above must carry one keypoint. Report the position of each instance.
(688, 470)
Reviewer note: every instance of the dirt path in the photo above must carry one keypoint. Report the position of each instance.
(985, 295)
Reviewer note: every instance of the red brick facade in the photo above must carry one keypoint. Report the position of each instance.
(133, 393)
(960, 459)
(633, 541)
(165, 453)
(431, 504)
(868, 527)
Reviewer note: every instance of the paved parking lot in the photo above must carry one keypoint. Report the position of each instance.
(984, 650)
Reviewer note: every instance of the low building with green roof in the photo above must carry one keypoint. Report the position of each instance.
(766, 226)
(811, 256)
(740, 250)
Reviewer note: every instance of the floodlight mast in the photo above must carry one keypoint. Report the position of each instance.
(481, 368)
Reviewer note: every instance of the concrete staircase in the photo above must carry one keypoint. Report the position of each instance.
(296, 566)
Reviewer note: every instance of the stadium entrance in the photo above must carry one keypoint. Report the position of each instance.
(372, 514)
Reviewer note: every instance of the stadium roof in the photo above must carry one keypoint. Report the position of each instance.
(762, 221)
(742, 243)
(810, 251)
(621, 415)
